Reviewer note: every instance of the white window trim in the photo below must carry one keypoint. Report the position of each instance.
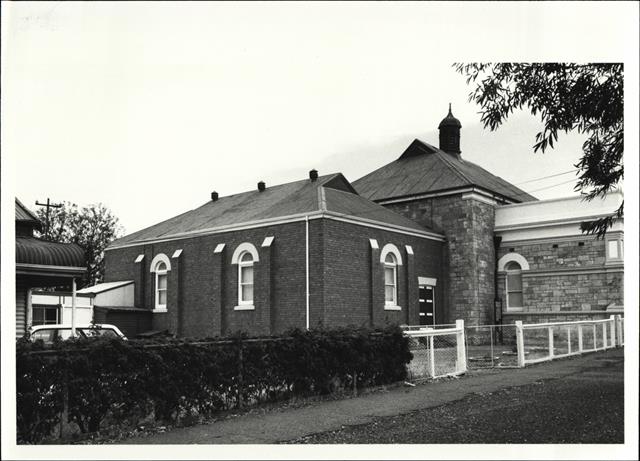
(391, 305)
(245, 305)
(506, 289)
(160, 258)
(390, 248)
(157, 258)
(244, 247)
(619, 239)
(161, 307)
(506, 259)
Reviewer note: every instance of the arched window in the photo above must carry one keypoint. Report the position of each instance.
(245, 279)
(390, 280)
(160, 266)
(161, 286)
(514, 285)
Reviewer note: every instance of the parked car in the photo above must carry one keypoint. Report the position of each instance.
(51, 333)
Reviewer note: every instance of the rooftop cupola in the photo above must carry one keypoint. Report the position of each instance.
(450, 134)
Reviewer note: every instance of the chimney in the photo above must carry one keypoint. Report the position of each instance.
(313, 175)
(214, 196)
(450, 134)
(261, 186)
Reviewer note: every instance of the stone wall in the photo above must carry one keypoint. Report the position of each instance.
(468, 225)
(568, 279)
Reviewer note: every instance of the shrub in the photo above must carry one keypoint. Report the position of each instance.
(111, 382)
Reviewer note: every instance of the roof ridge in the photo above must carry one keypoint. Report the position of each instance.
(322, 199)
(449, 162)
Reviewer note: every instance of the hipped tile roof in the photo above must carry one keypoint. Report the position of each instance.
(423, 168)
(331, 193)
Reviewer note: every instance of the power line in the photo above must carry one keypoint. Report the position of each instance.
(545, 177)
(554, 185)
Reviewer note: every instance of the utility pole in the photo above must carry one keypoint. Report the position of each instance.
(48, 205)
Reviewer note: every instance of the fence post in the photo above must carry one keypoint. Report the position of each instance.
(568, 340)
(551, 342)
(620, 332)
(612, 329)
(432, 358)
(580, 338)
(520, 343)
(604, 335)
(595, 336)
(460, 344)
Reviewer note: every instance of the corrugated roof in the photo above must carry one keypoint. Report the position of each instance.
(423, 168)
(24, 214)
(30, 250)
(102, 287)
(274, 202)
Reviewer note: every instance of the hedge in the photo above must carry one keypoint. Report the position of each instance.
(104, 383)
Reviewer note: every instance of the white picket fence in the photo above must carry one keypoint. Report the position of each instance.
(542, 342)
(437, 352)
(443, 350)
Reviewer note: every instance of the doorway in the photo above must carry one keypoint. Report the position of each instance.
(427, 303)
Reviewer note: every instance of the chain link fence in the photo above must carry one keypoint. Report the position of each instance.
(491, 346)
(437, 352)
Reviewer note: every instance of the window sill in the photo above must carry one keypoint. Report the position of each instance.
(390, 307)
(244, 307)
(159, 310)
(514, 309)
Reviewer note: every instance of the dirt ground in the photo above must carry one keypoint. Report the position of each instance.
(583, 408)
(570, 400)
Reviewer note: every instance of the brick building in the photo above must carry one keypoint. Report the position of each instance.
(486, 221)
(304, 254)
(426, 239)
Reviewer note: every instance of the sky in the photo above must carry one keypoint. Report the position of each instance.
(148, 107)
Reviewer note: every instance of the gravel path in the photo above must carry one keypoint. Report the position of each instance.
(584, 408)
(481, 398)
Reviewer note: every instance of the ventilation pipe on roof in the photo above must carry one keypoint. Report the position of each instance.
(313, 174)
(261, 186)
(214, 196)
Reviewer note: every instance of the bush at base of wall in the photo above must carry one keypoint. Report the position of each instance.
(101, 384)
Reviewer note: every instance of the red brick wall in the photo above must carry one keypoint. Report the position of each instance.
(355, 295)
(341, 283)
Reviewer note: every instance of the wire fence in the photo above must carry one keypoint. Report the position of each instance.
(490, 346)
(437, 352)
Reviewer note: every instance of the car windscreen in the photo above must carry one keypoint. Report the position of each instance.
(95, 332)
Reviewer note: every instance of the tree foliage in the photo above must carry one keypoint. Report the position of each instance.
(93, 227)
(587, 98)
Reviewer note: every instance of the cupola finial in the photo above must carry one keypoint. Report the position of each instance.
(450, 134)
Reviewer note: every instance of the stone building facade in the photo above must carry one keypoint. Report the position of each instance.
(561, 273)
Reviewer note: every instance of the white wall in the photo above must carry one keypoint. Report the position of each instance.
(121, 296)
